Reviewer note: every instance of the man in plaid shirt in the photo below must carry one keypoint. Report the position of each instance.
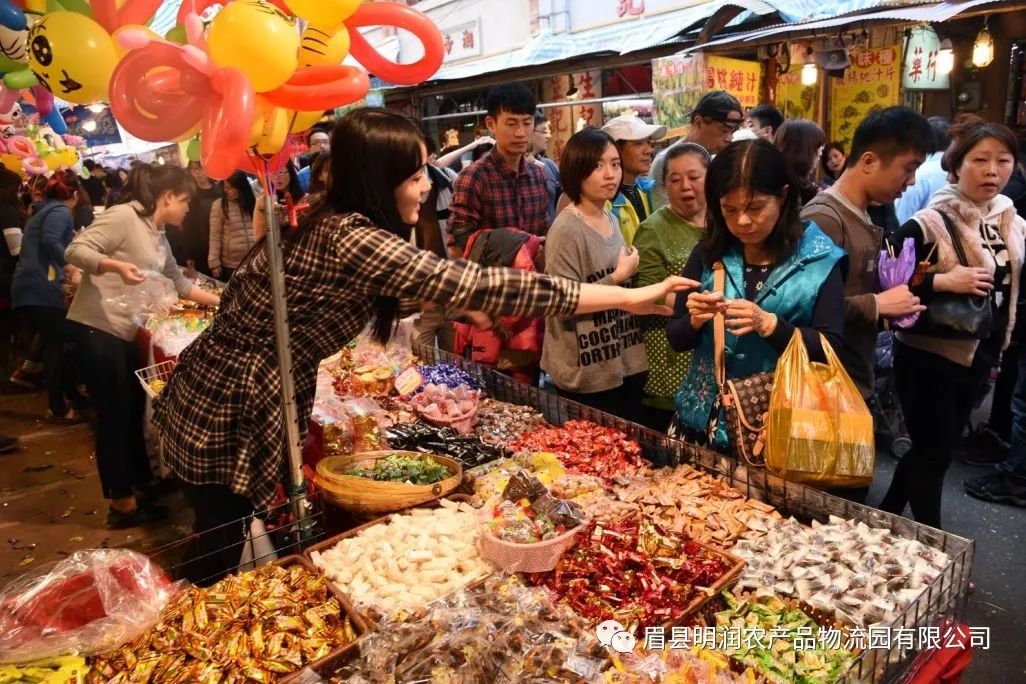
(504, 189)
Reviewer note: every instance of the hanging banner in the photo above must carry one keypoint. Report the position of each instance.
(678, 82)
(919, 72)
(870, 84)
(565, 121)
(794, 100)
(738, 77)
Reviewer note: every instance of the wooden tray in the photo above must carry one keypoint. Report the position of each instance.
(735, 566)
(355, 619)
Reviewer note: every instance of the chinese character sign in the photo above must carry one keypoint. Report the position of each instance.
(463, 41)
(677, 84)
(629, 8)
(740, 78)
(794, 100)
(565, 121)
(870, 84)
(919, 72)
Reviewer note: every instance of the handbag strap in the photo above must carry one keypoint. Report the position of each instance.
(720, 327)
(956, 242)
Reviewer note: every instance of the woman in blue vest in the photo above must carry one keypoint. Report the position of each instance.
(781, 274)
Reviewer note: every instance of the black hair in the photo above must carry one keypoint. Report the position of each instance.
(294, 188)
(316, 168)
(540, 118)
(480, 151)
(679, 149)
(825, 157)
(89, 164)
(247, 200)
(768, 115)
(147, 182)
(62, 186)
(430, 144)
(890, 132)
(799, 140)
(512, 98)
(972, 136)
(373, 151)
(758, 167)
(940, 125)
(314, 130)
(580, 157)
(113, 181)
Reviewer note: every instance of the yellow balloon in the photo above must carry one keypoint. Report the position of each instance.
(11, 162)
(257, 38)
(301, 121)
(321, 47)
(52, 160)
(324, 13)
(72, 56)
(120, 51)
(69, 157)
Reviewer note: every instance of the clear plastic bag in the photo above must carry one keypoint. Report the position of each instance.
(155, 295)
(90, 602)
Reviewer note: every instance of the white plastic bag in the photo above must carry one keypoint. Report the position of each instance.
(257, 550)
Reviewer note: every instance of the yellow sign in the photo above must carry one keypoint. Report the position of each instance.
(870, 84)
(794, 100)
(739, 78)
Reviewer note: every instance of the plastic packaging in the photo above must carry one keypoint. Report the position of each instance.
(90, 602)
(155, 295)
(819, 430)
(498, 631)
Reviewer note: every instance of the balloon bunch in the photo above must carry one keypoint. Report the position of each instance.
(18, 79)
(40, 151)
(250, 79)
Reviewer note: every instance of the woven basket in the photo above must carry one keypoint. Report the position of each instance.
(540, 556)
(363, 495)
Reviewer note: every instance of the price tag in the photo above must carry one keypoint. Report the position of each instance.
(408, 382)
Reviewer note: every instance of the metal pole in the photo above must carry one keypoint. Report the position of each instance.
(290, 414)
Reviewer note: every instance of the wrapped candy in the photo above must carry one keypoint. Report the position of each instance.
(500, 631)
(586, 448)
(429, 439)
(501, 423)
(448, 375)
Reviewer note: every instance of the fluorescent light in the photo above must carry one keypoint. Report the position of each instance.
(89, 126)
(810, 74)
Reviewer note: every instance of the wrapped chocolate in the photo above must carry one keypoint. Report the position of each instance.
(523, 486)
(428, 439)
(448, 375)
(501, 423)
(564, 513)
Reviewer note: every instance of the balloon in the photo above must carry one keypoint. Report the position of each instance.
(304, 120)
(68, 156)
(72, 56)
(200, 6)
(177, 35)
(270, 128)
(13, 40)
(321, 87)
(192, 151)
(321, 47)
(21, 146)
(387, 14)
(52, 160)
(34, 166)
(227, 128)
(324, 13)
(117, 36)
(256, 38)
(11, 162)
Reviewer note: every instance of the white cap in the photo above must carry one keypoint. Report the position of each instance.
(626, 127)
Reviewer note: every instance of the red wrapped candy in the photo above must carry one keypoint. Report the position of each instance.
(586, 448)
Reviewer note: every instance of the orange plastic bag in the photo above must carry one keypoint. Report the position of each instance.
(819, 431)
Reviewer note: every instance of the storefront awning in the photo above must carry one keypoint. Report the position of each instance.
(926, 13)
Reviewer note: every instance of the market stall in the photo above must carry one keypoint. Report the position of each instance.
(565, 523)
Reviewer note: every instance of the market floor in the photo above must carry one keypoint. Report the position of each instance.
(50, 498)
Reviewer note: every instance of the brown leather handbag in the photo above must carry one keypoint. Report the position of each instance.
(745, 401)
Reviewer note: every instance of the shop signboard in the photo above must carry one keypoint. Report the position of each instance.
(678, 81)
(794, 100)
(565, 121)
(740, 78)
(919, 71)
(462, 42)
(871, 83)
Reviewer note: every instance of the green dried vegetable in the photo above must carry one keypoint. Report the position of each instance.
(398, 468)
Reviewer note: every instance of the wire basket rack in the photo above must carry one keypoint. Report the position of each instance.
(154, 378)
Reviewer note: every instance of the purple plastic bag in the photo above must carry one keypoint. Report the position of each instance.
(894, 271)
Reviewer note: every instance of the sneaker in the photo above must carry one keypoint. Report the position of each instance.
(9, 444)
(26, 379)
(998, 488)
(983, 448)
(144, 514)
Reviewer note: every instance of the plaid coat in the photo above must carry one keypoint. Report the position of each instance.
(220, 414)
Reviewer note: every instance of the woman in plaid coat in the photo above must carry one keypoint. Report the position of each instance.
(349, 262)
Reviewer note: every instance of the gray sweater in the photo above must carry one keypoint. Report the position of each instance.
(594, 352)
(118, 233)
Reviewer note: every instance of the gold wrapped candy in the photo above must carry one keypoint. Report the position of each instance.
(253, 627)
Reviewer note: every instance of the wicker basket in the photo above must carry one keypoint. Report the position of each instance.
(363, 495)
(540, 556)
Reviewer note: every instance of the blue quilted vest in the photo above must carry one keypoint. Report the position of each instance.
(790, 292)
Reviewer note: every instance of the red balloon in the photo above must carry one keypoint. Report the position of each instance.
(137, 12)
(105, 13)
(321, 87)
(227, 124)
(417, 23)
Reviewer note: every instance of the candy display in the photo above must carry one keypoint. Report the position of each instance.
(174, 333)
(448, 375)
(818, 661)
(250, 627)
(500, 423)
(490, 480)
(470, 451)
(500, 631)
(399, 468)
(448, 406)
(586, 448)
(373, 380)
(61, 670)
(527, 514)
(635, 573)
(862, 575)
(686, 500)
(678, 666)
(409, 560)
